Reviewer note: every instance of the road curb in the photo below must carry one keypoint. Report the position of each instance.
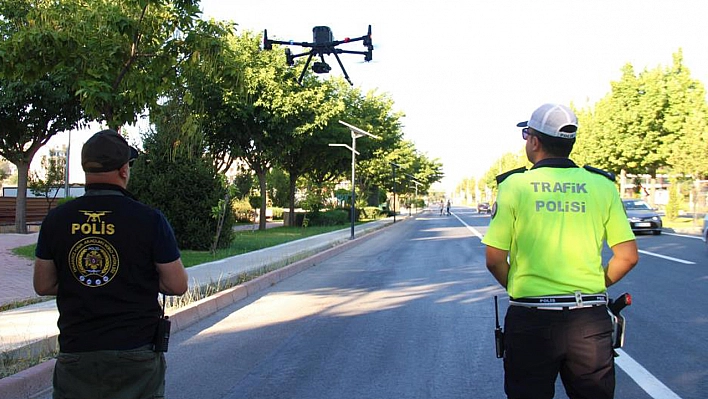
(37, 380)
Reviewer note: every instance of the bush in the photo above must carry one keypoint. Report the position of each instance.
(243, 213)
(332, 217)
(185, 190)
(277, 213)
(371, 212)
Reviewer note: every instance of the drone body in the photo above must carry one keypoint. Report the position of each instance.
(323, 43)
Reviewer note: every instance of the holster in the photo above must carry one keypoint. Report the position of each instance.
(618, 330)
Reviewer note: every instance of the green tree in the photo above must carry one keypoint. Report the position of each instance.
(278, 187)
(5, 170)
(113, 57)
(30, 114)
(46, 183)
(467, 188)
(119, 54)
(315, 107)
(674, 204)
(505, 163)
(650, 120)
(184, 186)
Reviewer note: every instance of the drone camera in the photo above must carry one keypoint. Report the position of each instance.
(322, 34)
(321, 67)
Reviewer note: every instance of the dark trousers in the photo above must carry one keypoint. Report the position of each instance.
(110, 374)
(540, 344)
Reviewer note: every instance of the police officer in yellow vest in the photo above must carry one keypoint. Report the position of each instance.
(550, 223)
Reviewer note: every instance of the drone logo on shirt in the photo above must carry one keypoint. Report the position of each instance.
(94, 225)
(93, 261)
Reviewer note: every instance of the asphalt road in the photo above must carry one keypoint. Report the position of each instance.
(410, 315)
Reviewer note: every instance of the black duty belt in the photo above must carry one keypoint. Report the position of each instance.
(561, 302)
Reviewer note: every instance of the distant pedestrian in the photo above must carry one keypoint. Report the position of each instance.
(448, 208)
(106, 257)
(442, 207)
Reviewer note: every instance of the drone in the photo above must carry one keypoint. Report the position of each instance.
(323, 43)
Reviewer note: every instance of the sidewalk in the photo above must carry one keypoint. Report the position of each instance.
(32, 329)
(16, 272)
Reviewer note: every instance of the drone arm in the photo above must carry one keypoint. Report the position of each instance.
(366, 54)
(289, 43)
(340, 51)
(293, 56)
(336, 55)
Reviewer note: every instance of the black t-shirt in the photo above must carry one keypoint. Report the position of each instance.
(105, 246)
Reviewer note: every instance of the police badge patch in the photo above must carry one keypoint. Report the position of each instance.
(93, 261)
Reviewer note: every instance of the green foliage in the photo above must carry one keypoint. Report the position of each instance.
(242, 210)
(277, 213)
(46, 184)
(185, 186)
(255, 201)
(330, 217)
(31, 112)
(314, 200)
(185, 190)
(278, 184)
(506, 163)
(372, 212)
(5, 170)
(244, 183)
(650, 120)
(673, 206)
(116, 54)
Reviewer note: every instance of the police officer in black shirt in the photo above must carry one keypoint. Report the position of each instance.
(106, 257)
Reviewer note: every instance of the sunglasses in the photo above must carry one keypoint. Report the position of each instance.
(525, 133)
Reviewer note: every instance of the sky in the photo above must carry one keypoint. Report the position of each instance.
(464, 72)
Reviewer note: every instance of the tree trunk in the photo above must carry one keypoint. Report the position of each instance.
(291, 195)
(21, 200)
(264, 200)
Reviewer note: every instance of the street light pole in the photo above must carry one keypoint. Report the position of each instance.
(66, 168)
(394, 166)
(353, 207)
(417, 183)
(356, 133)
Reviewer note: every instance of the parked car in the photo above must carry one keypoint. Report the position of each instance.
(642, 217)
(483, 207)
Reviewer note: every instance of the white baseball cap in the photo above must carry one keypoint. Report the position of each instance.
(551, 119)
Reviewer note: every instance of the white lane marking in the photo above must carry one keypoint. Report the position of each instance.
(650, 384)
(685, 262)
(470, 228)
(683, 235)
